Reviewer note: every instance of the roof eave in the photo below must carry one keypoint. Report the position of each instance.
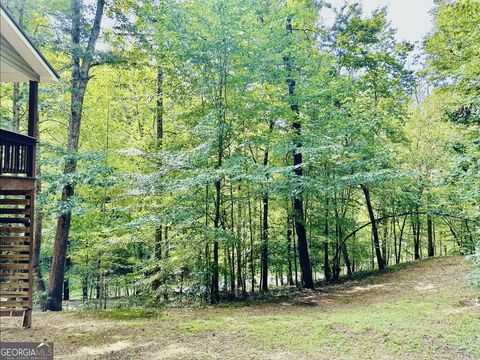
(53, 76)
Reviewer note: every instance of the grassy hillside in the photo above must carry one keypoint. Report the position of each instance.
(423, 310)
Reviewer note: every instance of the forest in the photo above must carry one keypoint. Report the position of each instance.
(205, 152)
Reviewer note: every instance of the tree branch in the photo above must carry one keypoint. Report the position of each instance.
(88, 58)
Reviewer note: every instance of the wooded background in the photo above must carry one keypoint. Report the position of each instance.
(207, 150)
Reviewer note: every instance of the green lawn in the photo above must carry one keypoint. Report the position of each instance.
(421, 311)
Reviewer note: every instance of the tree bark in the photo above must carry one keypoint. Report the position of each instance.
(376, 241)
(385, 245)
(289, 252)
(66, 281)
(298, 210)
(252, 255)
(37, 232)
(215, 285)
(16, 109)
(342, 244)
(346, 258)
(431, 249)
(16, 106)
(80, 76)
(240, 224)
(399, 257)
(416, 234)
(264, 253)
(159, 144)
(326, 231)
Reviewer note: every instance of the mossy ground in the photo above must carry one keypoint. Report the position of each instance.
(423, 310)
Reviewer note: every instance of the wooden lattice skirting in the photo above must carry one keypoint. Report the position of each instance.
(16, 245)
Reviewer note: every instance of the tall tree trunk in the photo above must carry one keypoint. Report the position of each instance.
(336, 260)
(431, 249)
(207, 283)
(342, 244)
(158, 245)
(159, 145)
(238, 243)
(218, 200)
(98, 280)
(416, 234)
(289, 251)
(376, 240)
(80, 76)
(326, 264)
(37, 232)
(394, 231)
(264, 253)
(346, 258)
(66, 281)
(298, 210)
(399, 256)
(16, 107)
(295, 256)
(215, 270)
(385, 245)
(252, 257)
(232, 254)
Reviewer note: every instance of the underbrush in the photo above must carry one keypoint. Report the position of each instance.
(474, 276)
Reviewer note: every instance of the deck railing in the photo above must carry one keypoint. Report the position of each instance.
(16, 154)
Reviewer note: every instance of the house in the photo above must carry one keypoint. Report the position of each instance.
(20, 61)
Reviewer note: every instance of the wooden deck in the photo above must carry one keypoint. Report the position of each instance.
(17, 192)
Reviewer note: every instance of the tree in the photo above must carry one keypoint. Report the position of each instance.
(82, 61)
(240, 142)
(367, 51)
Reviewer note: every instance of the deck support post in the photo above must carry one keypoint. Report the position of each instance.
(33, 108)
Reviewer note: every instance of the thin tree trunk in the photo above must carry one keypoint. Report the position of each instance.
(399, 257)
(66, 281)
(298, 210)
(346, 258)
(295, 263)
(159, 145)
(98, 280)
(342, 244)
(16, 107)
(264, 253)
(394, 231)
(416, 235)
(252, 257)
(376, 241)
(431, 249)
(240, 224)
(232, 254)
(84, 289)
(385, 245)
(215, 285)
(38, 223)
(289, 252)
(326, 264)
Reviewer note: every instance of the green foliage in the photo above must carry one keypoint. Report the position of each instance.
(474, 276)
(216, 74)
